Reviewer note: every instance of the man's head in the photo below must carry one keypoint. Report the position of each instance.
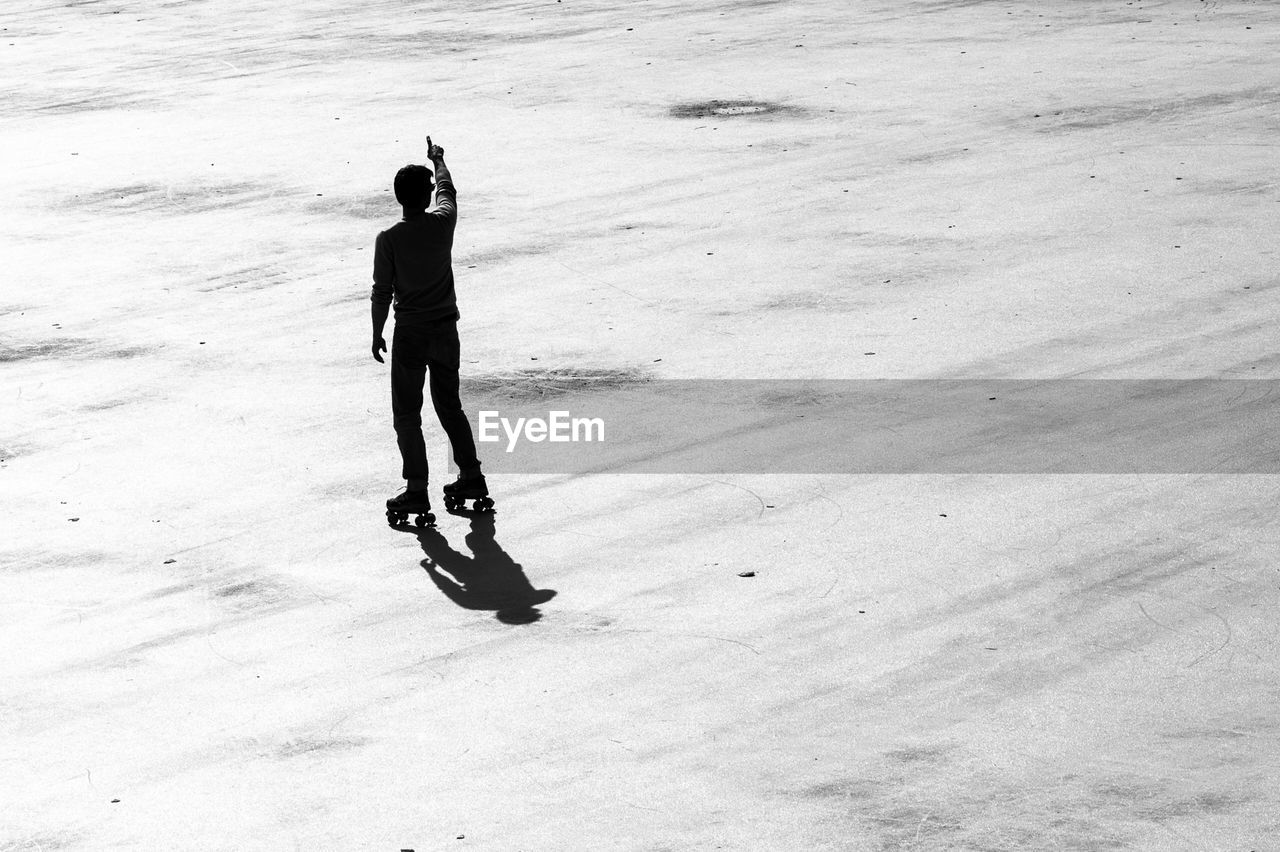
(413, 187)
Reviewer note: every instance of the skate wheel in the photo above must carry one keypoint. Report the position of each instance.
(423, 520)
(484, 504)
(391, 518)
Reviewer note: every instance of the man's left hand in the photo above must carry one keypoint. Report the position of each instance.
(379, 345)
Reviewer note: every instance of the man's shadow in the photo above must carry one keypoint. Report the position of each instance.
(488, 579)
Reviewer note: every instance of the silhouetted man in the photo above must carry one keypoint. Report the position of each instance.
(413, 267)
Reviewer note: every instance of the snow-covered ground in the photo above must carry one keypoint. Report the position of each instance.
(211, 638)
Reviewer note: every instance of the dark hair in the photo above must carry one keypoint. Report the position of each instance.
(413, 186)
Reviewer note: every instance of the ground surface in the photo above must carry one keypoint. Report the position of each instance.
(211, 639)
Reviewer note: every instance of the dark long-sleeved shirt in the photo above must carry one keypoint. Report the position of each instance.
(413, 262)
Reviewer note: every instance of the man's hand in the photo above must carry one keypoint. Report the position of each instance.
(436, 153)
(378, 312)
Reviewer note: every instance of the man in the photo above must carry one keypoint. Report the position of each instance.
(413, 267)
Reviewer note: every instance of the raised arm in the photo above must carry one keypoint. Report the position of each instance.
(435, 154)
(446, 194)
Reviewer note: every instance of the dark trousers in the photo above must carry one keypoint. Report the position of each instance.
(415, 351)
